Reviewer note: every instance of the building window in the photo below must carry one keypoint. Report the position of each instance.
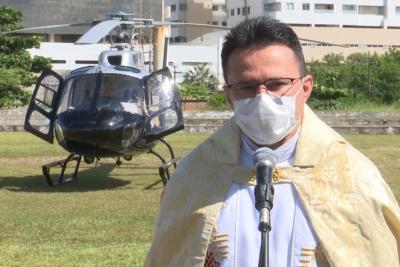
(306, 6)
(180, 39)
(215, 8)
(215, 23)
(397, 10)
(238, 11)
(370, 10)
(224, 23)
(232, 12)
(290, 6)
(272, 7)
(173, 8)
(323, 8)
(182, 7)
(349, 8)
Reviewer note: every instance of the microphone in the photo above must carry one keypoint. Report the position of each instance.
(264, 162)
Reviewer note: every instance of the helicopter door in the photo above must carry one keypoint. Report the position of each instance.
(41, 113)
(162, 104)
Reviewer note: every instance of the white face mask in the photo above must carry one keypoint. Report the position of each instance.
(266, 119)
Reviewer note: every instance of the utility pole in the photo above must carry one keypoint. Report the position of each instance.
(159, 34)
(246, 15)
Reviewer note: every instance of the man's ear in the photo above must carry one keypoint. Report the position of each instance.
(227, 96)
(307, 87)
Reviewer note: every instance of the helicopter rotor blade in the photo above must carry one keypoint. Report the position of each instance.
(321, 42)
(97, 32)
(177, 24)
(48, 27)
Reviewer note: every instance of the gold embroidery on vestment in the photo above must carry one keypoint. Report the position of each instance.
(218, 245)
(277, 175)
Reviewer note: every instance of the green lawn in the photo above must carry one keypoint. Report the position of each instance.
(106, 218)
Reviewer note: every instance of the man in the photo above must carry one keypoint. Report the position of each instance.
(331, 205)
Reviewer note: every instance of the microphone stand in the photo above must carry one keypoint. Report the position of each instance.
(264, 161)
(264, 194)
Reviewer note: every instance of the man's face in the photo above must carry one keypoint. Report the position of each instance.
(261, 63)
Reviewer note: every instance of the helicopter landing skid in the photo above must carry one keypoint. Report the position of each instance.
(63, 164)
(163, 170)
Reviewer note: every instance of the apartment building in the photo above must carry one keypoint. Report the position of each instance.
(194, 11)
(362, 25)
(320, 13)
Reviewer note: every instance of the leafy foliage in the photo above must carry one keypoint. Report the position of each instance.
(199, 84)
(387, 76)
(218, 101)
(329, 97)
(201, 75)
(18, 68)
(11, 93)
(341, 82)
(193, 92)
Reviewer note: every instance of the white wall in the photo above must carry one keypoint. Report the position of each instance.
(185, 57)
(181, 58)
(69, 53)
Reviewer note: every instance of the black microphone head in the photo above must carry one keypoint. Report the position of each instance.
(266, 156)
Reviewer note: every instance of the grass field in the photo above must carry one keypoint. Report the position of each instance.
(106, 218)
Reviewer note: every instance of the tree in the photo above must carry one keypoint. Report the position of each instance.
(197, 83)
(201, 75)
(331, 71)
(387, 77)
(358, 67)
(17, 68)
(327, 93)
(361, 77)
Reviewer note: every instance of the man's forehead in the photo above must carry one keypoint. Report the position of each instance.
(277, 54)
(261, 47)
(260, 62)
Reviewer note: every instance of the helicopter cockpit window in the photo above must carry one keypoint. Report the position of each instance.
(79, 93)
(121, 92)
(161, 92)
(161, 103)
(114, 60)
(46, 93)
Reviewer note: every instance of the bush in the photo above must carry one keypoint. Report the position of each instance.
(330, 104)
(193, 92)
(11, 94)
(369, 78)
(218, 101)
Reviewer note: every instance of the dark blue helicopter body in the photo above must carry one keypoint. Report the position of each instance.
(105, 110)
(98, 134)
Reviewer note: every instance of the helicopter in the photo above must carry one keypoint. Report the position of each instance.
(114, 109)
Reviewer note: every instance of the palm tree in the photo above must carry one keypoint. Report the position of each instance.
(201, 75)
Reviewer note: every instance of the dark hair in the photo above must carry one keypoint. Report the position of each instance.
(261, 31)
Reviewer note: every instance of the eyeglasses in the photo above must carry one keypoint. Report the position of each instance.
(275, 86)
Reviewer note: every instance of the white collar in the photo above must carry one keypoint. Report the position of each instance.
(285, 153)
